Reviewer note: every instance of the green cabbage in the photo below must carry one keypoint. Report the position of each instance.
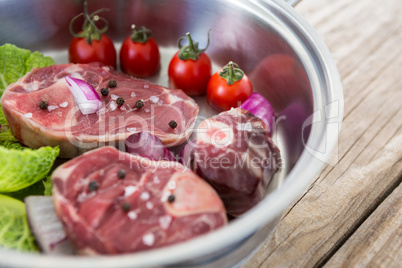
(47, 185)
(6, 138)
(15, 62)
(22, 168)
(35, 189)
(14, 229)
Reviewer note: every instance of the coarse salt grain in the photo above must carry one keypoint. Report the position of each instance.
(154, 99)
(144, 196)
(114, 97)
(165, 221)
(148, 239)
(172, 185)
(52, 107)
(28, 115)
(132, 215)
(133, 94)
(149, 205)
(129, 190)
(132, 129)
(63, 104)
(113, 106)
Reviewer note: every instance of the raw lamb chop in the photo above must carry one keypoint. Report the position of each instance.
(63, 124)
(112, 202)
(233, 152)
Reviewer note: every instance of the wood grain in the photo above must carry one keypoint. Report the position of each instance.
(365, 39)
(377, 242)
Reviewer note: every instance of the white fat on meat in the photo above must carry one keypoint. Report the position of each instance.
(214, 132)
(189, 190)
(174, 99)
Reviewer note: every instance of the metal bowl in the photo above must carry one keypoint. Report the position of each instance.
(309, 110)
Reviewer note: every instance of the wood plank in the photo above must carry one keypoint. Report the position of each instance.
(370, 154)
(378, 241)
(356, 83)
(325, 217)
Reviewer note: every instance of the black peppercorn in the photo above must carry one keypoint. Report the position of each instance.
(139, 104)
(173, 124)
(112, 83)
(125, 206)
(120, 101)
(93, 186)
(121, 174)
(105, 91)
(171, 198)
(43, 105)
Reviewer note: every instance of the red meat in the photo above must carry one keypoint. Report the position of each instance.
(234, 153)
(104, 212)
(63, 124)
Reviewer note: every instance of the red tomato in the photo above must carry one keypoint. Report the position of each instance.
(222, 96)
(91, 44)
(189, 75)
(102, 51)
(139, 59)
(190, 68)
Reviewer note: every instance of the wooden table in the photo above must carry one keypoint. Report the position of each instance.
(351, 216)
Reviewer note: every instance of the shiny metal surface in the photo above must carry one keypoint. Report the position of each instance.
(247, 32)
(292, 2)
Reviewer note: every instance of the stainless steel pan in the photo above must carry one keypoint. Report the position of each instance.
(246, 32)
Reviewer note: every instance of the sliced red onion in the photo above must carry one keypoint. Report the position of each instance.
(46, 227)
(260, 107)
(85, 95)
(147, 145)
(187, 154)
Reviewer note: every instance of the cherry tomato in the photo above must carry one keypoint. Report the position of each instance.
(91, 44)
(102, 51)
(190, 68)
(139, 54)
(228, 88)
(189, 75)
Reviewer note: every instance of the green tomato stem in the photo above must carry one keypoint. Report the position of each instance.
(231, 73)
(140, 35)
(191, 51)
(89, 29)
